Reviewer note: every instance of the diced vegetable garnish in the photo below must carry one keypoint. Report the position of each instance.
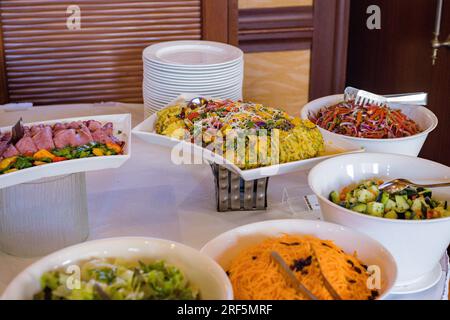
(409, 204)
(364, 196)
(42, 154)
(360, 207)
(114, 147)
(6, 163)
(375, 209)
(59, 159)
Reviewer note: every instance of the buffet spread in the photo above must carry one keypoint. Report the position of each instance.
(359, 249)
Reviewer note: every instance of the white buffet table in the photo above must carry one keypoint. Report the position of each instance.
(151, 196)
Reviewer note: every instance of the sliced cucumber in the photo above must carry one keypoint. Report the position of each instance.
(401, 204)
(384, 198)
(360, 207)
(408, 215)
(374, 189)
(334, 196)
(375, 209)
(391, 215)
(416, 205)
(389, 205)
(365, 196)
(350, 202)
(348, 196)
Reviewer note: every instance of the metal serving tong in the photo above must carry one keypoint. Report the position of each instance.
(297, 284)
(364, 97)
(397, 185)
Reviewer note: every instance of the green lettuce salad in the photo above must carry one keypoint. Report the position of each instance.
(112, 279)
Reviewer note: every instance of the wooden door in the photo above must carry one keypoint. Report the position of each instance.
(321, 27)
(397, 58)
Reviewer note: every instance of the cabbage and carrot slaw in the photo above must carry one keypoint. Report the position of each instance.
(367, 121)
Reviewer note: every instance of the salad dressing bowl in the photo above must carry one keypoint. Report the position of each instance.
(417, 245)
(201, 271)
(425, 119)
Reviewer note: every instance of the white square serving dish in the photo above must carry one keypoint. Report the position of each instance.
(333, 146)
(121, 122)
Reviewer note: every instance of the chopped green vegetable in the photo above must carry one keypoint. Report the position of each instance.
(365, 196)
(409, 204)
(375, 209)
(384, 198)
(401, 203)
(416, 205)
(391, 215)
(361, 208)
(334, 196)
(119, 280)
(23, 162)
(390, 205)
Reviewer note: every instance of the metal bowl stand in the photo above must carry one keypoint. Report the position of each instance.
(235, 194)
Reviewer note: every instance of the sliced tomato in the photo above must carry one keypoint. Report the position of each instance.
(58, 159)
(193, 115)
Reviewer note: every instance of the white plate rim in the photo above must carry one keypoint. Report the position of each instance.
(151, 52)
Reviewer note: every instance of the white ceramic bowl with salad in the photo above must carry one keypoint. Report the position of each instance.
(123, 268)
(409, 145)
(416, 242)
(227, 246)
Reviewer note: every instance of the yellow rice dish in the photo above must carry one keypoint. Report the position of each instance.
(269, 136)
(255, 275)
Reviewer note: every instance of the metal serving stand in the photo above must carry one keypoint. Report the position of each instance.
(235, 194)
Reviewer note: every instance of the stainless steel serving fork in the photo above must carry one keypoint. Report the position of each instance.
(397, 185)
(363, 97)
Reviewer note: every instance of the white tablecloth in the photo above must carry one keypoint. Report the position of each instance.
(151, 196)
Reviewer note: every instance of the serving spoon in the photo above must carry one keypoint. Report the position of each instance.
(397, 185)
(197, 102)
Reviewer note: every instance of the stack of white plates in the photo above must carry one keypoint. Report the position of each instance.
(205, 68)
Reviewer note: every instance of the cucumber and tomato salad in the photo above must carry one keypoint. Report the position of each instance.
(409, 204)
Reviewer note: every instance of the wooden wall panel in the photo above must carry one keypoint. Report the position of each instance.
(247, 4)
(275, 29)
(278, 79)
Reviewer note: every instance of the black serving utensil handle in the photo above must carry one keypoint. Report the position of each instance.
(17, 132)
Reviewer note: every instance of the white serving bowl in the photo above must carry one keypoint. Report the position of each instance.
(199, 269)
(425, 119)
(417, 245)
(228, 245)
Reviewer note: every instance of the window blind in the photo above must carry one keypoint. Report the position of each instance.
(49, 61)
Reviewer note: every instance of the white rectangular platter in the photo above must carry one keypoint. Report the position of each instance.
(121, 122)
(333, 147)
